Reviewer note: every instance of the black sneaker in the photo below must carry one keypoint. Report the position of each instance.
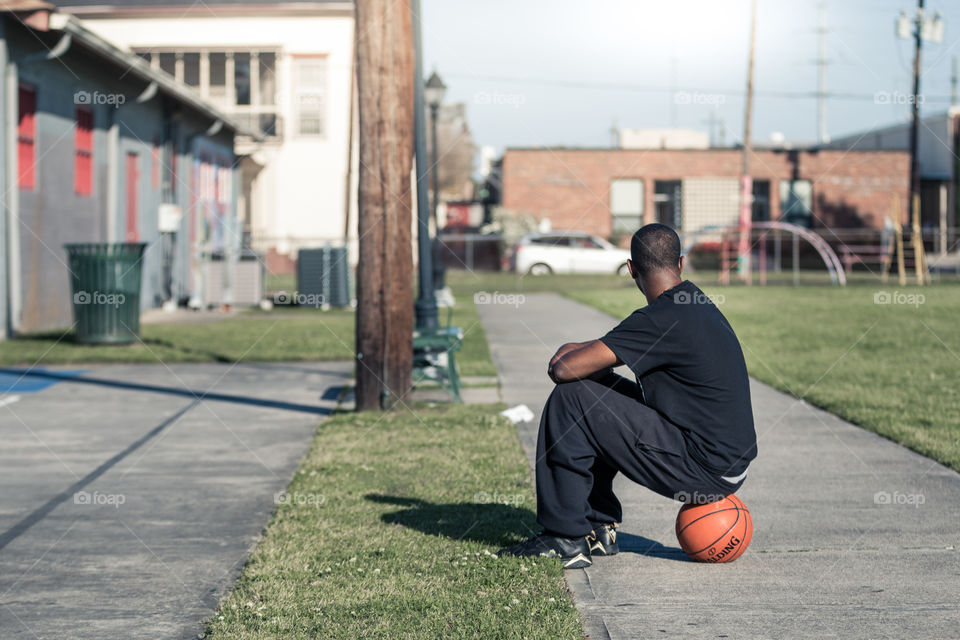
(574, 553)
(603, 540)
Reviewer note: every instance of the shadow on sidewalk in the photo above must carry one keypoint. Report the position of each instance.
(490, 523)
(630, 543)
(21, 374)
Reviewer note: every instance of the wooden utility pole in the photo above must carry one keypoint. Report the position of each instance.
(914, 203)
(385, 270)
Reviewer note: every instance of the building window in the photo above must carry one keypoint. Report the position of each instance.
(268, 78)
(168, 63)
(626, 205)
(218, 75)
(191, 69)
(667, 201)
(26, 137)
(241, 82)
(83, 152)
(796, 202)
(760, 207)
(241, 77)
(309, 89)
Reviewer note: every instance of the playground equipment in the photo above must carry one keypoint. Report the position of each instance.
(761, 230)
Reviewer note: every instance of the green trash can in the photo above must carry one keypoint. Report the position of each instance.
(105, 281)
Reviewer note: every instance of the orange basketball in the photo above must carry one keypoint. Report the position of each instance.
(715, 532)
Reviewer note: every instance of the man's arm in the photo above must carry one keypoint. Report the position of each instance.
(581, 361)
(565, 349)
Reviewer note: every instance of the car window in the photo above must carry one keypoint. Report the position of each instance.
(584, 242)
(551, 241)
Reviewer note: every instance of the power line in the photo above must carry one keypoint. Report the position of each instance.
(614, 86)
(822, 76)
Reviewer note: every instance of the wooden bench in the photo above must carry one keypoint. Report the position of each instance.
(434, 357)
(434, 353)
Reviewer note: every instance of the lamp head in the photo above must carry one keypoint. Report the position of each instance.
(434, 90)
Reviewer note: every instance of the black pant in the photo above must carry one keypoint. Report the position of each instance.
(591, 430)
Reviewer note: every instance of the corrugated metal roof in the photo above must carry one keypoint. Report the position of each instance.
(138, 67)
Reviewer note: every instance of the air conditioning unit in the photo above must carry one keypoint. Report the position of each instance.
(247, 280)
(324, 274)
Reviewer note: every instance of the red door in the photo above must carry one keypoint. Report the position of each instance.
(133, 179)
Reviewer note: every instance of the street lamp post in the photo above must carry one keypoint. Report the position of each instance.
(426, 304)
(434, 92)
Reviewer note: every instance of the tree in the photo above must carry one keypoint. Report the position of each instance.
(384, 331)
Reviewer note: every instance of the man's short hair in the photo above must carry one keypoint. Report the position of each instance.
(655, 247)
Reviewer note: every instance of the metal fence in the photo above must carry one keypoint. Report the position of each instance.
(472, 251)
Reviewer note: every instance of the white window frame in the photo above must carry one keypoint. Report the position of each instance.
(312, 95)
(620, 214)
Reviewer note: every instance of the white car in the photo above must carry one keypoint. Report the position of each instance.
(567, 252)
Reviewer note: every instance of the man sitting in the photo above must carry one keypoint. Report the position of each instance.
(684, 429)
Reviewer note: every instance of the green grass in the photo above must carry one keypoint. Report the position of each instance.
(891, 368)
(252, 337)
(474, 356)
(284, 334)
(387, 533)
(274, 282)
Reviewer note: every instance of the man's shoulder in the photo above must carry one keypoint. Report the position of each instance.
(641, 315)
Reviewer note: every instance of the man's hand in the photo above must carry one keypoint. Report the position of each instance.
(580, 360)
(564, 349)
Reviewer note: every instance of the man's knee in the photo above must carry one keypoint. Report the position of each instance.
(571, 394)
(565, 413)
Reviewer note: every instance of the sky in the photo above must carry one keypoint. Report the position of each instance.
(560, 73)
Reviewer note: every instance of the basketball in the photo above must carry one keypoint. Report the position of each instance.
(715, 532)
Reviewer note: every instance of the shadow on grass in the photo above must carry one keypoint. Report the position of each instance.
(69, 337)
(489, 523)
(494, 524)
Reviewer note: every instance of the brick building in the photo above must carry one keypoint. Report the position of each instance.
(612, 191)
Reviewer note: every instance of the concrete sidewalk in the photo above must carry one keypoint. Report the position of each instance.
(131, 496)
(854, 536)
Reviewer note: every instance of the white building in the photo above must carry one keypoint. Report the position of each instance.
(663, 139)
(282, 68)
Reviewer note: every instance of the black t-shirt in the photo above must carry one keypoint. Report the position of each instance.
(690, 368)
